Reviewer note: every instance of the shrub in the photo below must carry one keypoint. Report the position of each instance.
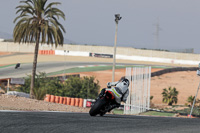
(170, 96)
(85, 87)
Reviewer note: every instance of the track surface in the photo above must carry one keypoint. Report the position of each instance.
(11, 72)
(57, 122)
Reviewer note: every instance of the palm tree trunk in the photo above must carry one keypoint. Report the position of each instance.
(34, 66)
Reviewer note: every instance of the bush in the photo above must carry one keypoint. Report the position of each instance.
(39, 93)
(85, 87)
(40, 88)
(170, 95)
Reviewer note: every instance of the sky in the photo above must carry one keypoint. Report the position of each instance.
(92, 22)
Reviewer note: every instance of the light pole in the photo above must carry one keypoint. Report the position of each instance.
(117, 18)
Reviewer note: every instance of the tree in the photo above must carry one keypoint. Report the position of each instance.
(38, 23)
(170, 96)
(43, 85)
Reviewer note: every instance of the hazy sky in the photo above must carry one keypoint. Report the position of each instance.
(92, 22)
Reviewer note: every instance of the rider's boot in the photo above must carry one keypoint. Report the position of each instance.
(101, 93)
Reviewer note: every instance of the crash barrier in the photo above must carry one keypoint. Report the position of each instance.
(79, 102)
(46, 52)
(139, 90)
(177, 69)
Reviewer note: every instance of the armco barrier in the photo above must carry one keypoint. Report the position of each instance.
(176, 69)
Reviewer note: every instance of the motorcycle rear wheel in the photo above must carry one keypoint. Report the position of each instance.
(97, 107)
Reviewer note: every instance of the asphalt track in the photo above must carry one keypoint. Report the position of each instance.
(26, 69)
(57, 122)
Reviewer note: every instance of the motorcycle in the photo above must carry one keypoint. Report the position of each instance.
(102, 104)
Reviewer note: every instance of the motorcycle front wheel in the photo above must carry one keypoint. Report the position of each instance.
(98, 105)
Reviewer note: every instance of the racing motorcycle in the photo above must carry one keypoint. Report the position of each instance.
(102, 104)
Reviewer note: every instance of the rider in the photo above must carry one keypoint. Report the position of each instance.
(120, 92)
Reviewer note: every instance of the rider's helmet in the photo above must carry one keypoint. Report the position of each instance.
(125, 81)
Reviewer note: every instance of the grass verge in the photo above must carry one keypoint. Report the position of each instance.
(154, 113)
(7, 65)
(89, 69)
(148, 113)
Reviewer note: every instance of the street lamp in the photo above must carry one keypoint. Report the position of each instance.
(117, 18)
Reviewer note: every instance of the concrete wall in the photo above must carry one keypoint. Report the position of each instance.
(15, 47)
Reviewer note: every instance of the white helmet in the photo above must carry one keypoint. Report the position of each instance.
(124, 80)
(123, 84)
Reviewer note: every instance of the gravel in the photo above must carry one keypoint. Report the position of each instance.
(11, 102)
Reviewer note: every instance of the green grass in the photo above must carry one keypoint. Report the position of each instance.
(149, 113)
(91, 69)
(7, 65)
(118, 111)
(154, 113)
(84, 69)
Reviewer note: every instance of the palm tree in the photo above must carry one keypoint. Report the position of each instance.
(190, 100)
(38, 23)
(170, 96)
